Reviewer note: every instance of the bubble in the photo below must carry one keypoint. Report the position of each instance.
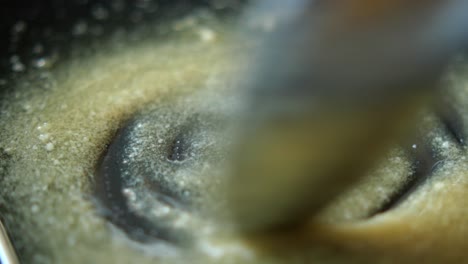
(439, 185)
(46, 61)
(40, 63)
(35, 208)
(80, 28)
(445, 144)
(19, 27)
(14, 58)
(43, 137)
(49, 146)
(18, 67)
(38, 48)
(206, 35)
(16, 64)
(129, 194)
(100, 13)
(44, 126)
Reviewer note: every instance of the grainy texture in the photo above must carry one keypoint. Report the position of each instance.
(55, 125)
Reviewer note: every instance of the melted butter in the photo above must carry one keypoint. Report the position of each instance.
(54, 131)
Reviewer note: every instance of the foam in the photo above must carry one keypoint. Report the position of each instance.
(54, 129)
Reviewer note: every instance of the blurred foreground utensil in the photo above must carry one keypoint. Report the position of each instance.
(7, 252)
(333, 84)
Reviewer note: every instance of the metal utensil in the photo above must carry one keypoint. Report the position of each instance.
(334, 83)
(7, 252)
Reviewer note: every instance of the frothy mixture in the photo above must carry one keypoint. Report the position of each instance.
(55, 130)
(164, 99)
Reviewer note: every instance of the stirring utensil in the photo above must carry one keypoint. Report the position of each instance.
(334, 83)
(7, 252)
